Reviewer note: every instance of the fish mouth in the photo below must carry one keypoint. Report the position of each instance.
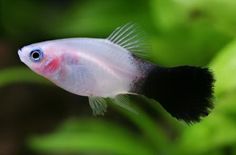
(20, 53)
(19, 50)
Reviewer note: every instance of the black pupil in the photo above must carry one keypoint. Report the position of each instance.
(35, 55)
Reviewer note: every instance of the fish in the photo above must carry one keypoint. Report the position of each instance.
(117, 66)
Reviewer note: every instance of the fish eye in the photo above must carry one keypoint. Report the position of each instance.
(36, 55)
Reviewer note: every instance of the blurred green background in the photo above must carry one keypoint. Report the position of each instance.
(38, 118)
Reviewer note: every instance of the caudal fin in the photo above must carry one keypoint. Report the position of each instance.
(185, 92)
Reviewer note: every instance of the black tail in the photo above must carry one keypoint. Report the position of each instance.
(185, 91)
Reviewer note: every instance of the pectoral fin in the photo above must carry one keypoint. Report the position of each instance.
(98, 105)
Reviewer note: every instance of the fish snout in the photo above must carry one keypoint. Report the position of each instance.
(19, 50)
(21, 54)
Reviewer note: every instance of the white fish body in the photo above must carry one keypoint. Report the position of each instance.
(88, 66)
(95, 67)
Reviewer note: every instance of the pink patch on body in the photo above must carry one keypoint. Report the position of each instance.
(51, 66)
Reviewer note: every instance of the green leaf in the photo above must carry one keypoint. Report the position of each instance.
(19, 74)
(224, 68)
(222, 13)
(97, 18)
(155, 134)
(214, 133)
(92, 136)
(185, 34)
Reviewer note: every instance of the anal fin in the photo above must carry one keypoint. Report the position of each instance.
(124, 101)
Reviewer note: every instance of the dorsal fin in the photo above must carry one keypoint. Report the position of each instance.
(129, 37)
